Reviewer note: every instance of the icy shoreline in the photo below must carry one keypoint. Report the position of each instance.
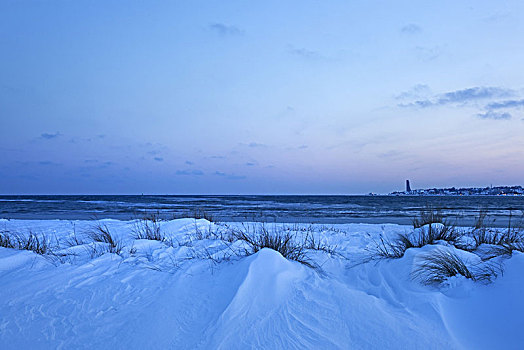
(186, 295)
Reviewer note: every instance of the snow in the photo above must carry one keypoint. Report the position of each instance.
(179, 295)
(489, 317)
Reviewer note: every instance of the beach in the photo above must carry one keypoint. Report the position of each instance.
(196, 287)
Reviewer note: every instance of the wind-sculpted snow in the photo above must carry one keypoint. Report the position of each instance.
(189, 291)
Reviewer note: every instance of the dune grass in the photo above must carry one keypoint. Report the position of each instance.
(202, 214)
(149, 228)
(418, 238)
(385, 248)
(500, 241)
(100, 233)
(292, 244)
(7, 240)
(439, 265)
(428, 215)
(37, 243)
(283, 242)
(429, 227)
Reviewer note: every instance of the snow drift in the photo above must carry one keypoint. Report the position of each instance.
(166, 294)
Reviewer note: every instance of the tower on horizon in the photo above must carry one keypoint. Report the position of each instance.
(408, 187)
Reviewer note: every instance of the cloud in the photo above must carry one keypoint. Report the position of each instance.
(305, 53)
(250, 164)
(411, 29)
(497, 17)
(225, 29)
(159, 159)
(419, 103)
(48, 162)
(229, 176)
(474, 93)
(494, 115)
(49, 136)
(462, 96)
(390, 154)
(470, 96)
(97, 164)
(188, 162)
(97, 137)
(153, 149)
(256, 145)
(190, 172)
(77, 140)
(427, 53)
(416, 91)
(506, 104)
(236, 177)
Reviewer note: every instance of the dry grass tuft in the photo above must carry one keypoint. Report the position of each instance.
(149, 228)
(428, 215)
(101, 233)
(439, 265)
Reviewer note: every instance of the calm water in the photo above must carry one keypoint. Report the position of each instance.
(317, 209)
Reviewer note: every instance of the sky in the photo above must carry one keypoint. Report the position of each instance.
(259, 97)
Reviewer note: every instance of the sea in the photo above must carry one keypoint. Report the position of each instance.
(459, 210)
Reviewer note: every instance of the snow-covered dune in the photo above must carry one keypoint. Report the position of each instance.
(189, 292)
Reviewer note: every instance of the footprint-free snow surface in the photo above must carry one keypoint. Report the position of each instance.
(194, 291)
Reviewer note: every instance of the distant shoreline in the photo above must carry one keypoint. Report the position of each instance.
(464, 191)
(450, 195)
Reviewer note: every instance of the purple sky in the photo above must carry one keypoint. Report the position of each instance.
(235, 97)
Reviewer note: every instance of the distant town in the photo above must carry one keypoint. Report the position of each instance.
(466, 191)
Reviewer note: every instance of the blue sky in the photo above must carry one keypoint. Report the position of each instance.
(234, 97)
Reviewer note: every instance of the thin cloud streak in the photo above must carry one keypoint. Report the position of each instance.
(506, 104)
(411, 29)
(225, 29)
(48, 136)
(494, 115)
(462, 96)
